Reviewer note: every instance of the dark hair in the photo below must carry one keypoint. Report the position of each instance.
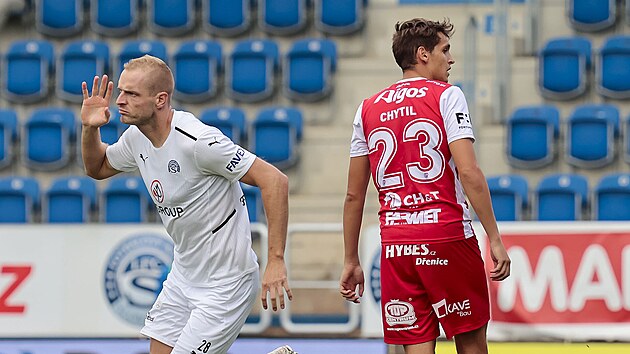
(413, 34)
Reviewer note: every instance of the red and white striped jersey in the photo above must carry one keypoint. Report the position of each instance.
(406, 130)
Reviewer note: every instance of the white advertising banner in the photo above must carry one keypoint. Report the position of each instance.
(570, 282)
(77, 281)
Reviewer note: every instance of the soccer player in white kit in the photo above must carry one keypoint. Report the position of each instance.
(192, 172)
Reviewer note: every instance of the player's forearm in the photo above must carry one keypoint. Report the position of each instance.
(92, 151)
(476, 188)
(275, 196)
(352, 219)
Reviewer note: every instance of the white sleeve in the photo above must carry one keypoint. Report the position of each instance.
(215, 154)
(358, 144)
(120, 154)
(454, 110)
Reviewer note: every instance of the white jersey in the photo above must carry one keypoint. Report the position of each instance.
(193, 180)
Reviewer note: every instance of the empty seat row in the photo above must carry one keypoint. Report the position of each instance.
(62, 18)
(560, 197)
(591, 135)
(593, 16)
(48, 134)
(565, 64)
(198, 65)
(74, 199)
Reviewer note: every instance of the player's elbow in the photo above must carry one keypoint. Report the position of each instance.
(471, 177)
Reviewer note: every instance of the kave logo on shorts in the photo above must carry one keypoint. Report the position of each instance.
(399, 313)
(461, 308)
(133, 275)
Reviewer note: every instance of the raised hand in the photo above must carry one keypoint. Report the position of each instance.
(95, 108)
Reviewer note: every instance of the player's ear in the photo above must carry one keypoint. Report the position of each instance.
(161, 99)
(422, 54)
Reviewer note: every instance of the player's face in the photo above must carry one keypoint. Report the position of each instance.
(441, 59)
(135, 103)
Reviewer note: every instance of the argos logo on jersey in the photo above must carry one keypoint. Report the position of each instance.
(398, 95)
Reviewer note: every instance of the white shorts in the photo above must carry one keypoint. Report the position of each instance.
(201, 320)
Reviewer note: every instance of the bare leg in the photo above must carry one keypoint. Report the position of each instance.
(473, 342)
(157, 347)
(422, 348)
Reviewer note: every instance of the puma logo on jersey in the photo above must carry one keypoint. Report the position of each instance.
(143, 158)
(213, 142)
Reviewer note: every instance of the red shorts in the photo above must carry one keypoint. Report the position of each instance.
(427, 285)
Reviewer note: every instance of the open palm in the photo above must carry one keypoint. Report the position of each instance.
(95, 108)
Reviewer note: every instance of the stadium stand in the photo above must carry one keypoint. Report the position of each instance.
(613, 74)
(196, 66)
(230, 120)
(124, 200)
(27, 70)
(8, 136)
(19, 199)
(115, 18)
(226, 18)
(532, 136)
(509, 195)
(282, 17)
(592, 16)
(308, 69)
(592, 132)
(253, 200)
(339, 17)
(80, 61)
(136, 48)
(612, 197)
(561, 197)
(563, 67)
(283, 127)
(47, 139)
(251, 70)
(170, 17)
(59, 18)
(69, 200)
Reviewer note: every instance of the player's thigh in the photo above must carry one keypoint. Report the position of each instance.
(455, 277)
(218, 316)
(168, 315)
(405, 307)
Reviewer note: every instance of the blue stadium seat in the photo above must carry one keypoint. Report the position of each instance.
(563, 65)
(561, 197)
(253, 200)
(251, 70)
(339, 17)
(592, 131)
(19, 199)
(308, 69)
(124, 199)
(69, 200)
(80, 61)
(8, 136)
(592, 16)
(48, 134)
(282, 17)
(509, 195)
(230, 120)
(196, 66)
(115, 18)
(276, 132)
(626, 139)
(226, 17)
(612, 197)
(111, 131)
(613, 71)
(532, 136)
(170, 17)
(59, 18)
(26, 71)
(136, 48)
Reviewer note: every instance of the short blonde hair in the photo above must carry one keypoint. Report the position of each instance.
(160, 74)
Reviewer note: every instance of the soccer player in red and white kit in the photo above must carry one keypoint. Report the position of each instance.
(416, 140)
